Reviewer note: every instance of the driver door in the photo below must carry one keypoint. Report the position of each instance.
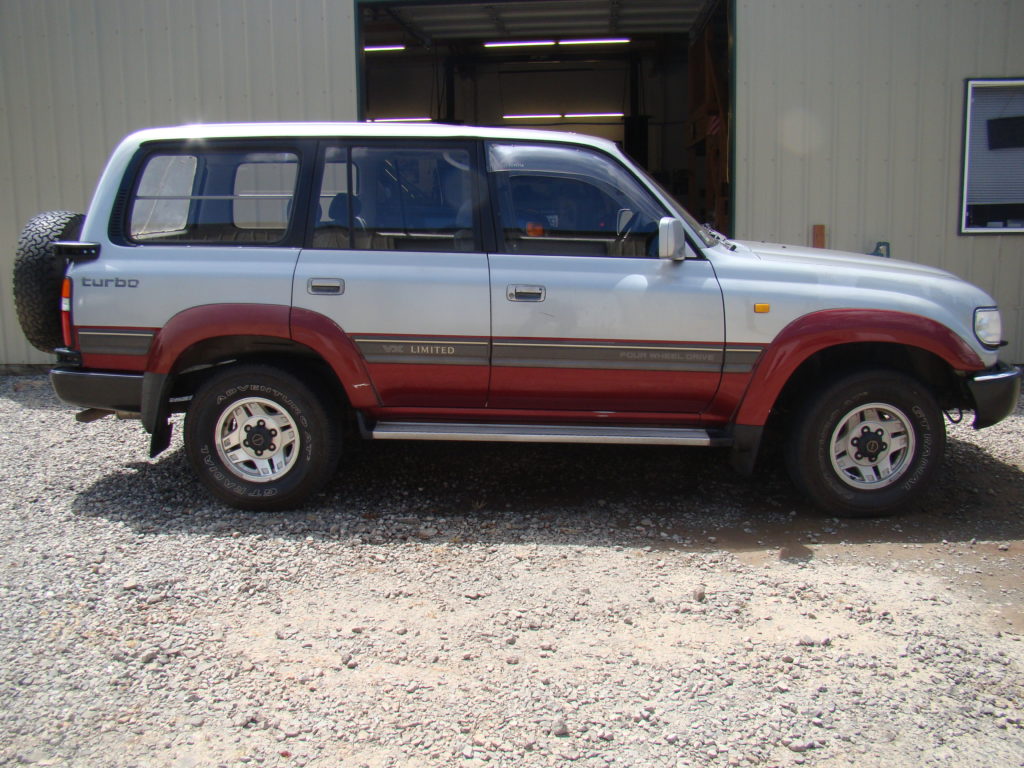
(585, 316)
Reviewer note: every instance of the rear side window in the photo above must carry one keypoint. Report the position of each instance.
(384, 198)
(162, 200)
(228, 196)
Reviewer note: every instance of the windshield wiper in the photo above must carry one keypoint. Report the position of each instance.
(714, 233)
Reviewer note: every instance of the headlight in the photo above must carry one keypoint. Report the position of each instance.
(988, 327)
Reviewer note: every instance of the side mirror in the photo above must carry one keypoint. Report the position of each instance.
(672, 240)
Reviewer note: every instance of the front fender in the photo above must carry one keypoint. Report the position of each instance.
(812, 333)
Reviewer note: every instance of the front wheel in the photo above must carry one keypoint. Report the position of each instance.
(867, 445)
(260, 438)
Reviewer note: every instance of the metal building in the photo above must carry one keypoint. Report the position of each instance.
(806, 121)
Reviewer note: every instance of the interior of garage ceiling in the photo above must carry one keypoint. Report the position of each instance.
(663, 96)
(498, 19)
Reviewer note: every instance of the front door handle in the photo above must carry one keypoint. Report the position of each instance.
(526, 293)
(325, 286)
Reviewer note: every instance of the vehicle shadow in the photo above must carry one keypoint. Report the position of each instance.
(567, 495)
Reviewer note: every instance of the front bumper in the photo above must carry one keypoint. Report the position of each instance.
(995, 392)
(96, 389)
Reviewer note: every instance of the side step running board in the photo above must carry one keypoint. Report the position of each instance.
(544, 433)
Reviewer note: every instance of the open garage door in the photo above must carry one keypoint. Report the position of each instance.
(652, 75)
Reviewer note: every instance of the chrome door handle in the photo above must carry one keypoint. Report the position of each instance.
(526, 293)
(325, 286)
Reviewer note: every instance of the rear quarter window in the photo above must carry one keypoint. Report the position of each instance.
(216, 196)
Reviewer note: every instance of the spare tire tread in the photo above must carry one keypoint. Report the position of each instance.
(38, 275)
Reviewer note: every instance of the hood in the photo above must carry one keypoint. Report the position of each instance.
(825, 259)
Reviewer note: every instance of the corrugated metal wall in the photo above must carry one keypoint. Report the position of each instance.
(850, 114)
(77, 75)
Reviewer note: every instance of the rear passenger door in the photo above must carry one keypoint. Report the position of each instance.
(397, 263)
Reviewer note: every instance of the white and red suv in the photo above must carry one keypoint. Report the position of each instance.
(278, 281)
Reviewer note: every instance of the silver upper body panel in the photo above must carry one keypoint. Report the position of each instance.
(709, 300)
(797, 281)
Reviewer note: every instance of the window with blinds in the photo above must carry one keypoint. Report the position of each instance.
(993, 176)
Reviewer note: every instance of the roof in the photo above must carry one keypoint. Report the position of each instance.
(361, 130)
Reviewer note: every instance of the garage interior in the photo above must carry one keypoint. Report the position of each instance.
(652, 75)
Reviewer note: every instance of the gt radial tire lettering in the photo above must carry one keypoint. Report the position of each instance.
(229, 482)
(921, 458)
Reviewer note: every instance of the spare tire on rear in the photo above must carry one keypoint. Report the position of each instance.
(38, 275)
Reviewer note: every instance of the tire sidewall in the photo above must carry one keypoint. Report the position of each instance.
(311, 468)
(813, 447)
(38, 274)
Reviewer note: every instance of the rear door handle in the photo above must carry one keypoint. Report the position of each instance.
(325, 286)
(526, 292)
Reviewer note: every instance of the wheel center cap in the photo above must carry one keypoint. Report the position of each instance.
(259, 438)
(869, 444)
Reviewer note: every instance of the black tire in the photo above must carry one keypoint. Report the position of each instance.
(867, 445)
(38, 275)
(285, 435)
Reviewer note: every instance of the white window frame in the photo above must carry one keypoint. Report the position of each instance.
(1011, 226)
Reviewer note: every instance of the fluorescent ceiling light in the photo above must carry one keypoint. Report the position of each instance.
(596, 41)
(516, 43)
(374, 48)
(401, 120)
(559, 117)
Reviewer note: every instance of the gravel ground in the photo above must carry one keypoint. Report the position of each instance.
(468, 605)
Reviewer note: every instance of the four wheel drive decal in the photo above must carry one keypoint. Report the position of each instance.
(624, 355)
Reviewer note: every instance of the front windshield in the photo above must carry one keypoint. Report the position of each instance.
(698, 229)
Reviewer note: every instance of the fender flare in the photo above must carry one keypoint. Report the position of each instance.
(197, 324)
(812, 333)
(329, 340)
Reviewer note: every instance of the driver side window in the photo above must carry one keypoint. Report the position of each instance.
(570, 201)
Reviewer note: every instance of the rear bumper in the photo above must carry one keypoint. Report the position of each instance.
(96, 389)
(995, 392)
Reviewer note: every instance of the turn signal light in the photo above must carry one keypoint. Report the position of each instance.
(65, 311)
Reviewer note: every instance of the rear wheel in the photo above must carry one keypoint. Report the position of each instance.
(260, 438)
(867, 445)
